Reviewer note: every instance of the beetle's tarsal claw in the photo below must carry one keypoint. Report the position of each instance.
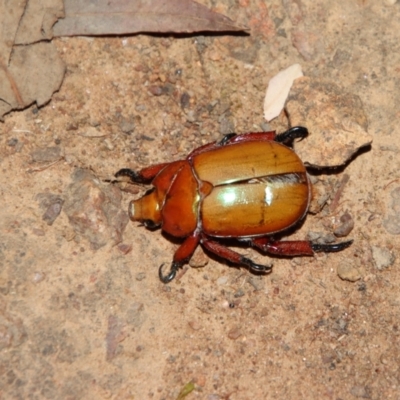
(330, 248)
(226, 139)
(297, 132)
(130, 173)
(171, 274)
(255, 267)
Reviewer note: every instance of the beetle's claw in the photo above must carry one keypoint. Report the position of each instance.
(226, 139)
(171, 274)
(297, 132)
(330, 248)
(255, 267)
(134, 176)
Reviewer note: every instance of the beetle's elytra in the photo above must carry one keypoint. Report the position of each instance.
(248, 187)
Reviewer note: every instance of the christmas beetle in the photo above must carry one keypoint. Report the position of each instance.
(248, 187)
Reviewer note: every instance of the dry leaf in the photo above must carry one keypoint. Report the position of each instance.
(278, 90)
(104, 17)
(9, 21)
(33, 72)
(38, 19)
(30, 73)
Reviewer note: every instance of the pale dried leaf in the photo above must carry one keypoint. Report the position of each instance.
(278, 90)
(34, 73)
(30, 73)
(9, 21)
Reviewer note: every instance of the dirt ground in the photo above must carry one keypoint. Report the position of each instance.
(83, 314)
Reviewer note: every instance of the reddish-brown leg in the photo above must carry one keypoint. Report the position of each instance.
(297, 132)
(296, 247)
(181, 256)
(232, 256)
(144, 175)
(248, 137)
(234, 138)
(287, 137)
(286, 248)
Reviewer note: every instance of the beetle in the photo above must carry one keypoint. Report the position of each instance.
(248, 187)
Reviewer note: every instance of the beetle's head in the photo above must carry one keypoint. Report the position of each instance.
(147, 209)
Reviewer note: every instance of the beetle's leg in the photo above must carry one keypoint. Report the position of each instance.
(231, 138)
(144, 175)
(330, 248)
(181, 256)
(202, 149)
(296, 247)
(297, 132)
(226, 139)
(287, 247)
(210, 146)
(171, 274)
(233, 256)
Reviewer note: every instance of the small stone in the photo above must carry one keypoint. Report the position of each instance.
(361, 391)
(94, 209)
(127, 126)
(348, 273)
(345, 225)
(194, 325)
(140, 276)
(234, 333)
(12, 142)
(257, 282)
(239, 293)
(185, 100)
(124, 248)
(392, 222)
(222, 280)
(199, 259)
(53, 210)
(92, 132)
(383, 258)
(46, 154)
(38, 277)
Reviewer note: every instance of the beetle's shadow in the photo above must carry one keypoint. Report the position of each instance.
(317, 171)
